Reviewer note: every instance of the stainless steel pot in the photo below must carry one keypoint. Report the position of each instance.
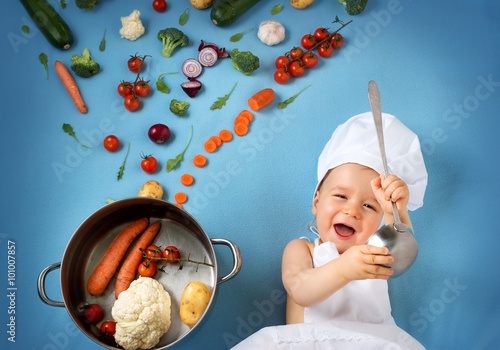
(92, 238)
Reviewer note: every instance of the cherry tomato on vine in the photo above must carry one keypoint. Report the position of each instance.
(336, 40)
(296, 52)
(320, 34)
(108, 329)
(134, 63)
(282, 61)
(308, 41)
(125, 88)
(309, 60)
(281, 76)
(93, 313)
(325, 49)
(149, 164)
(296, 68)
(171, 252)
(131, 102)
(141, 88)
(160, 5)
(146, 269)
(111, 143)
(153, 253)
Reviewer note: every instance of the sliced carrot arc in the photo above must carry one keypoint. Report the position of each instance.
(216, 139)
(187, 180)
(180, 197)
(210, 146)
(246, 113)
(241, 119)
(200, 160)
(225, 135)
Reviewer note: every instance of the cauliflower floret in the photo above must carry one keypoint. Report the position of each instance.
(132, 27)
(142, 314)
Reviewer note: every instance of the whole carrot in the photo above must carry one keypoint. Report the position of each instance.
(70, 85)
(108, 264)
(129, 267)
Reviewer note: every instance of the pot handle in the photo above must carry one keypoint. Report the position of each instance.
(236, 258)
(41, 286)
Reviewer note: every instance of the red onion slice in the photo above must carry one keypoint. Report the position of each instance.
(191, 87)
(207, 56)
(192, 68)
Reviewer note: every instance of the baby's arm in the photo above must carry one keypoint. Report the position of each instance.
(396, 189)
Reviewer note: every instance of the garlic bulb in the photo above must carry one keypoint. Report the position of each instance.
(271, 32)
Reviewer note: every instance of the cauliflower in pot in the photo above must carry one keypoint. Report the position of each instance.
(132, 27)
(142, 314)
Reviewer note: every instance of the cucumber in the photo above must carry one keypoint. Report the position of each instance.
(225, 12)
(52, 26)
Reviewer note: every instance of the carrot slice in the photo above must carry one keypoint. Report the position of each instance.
(200, 160)
(240, 129)
(187, 180)
(246, 113)
(210, 146)
(180, 197)
(225, 135)
(217, 140)
(241, 119)
(179, 205)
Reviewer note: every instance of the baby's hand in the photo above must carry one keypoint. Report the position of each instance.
(389, 188)
(361, 262)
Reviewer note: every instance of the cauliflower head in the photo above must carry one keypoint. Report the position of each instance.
(132, 27)
(142, 314)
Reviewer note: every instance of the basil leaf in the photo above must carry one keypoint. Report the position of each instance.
(102, 46)
(25, 29)
(183, 18)
(276, 9)
(161, 86)
(237, 37)
(43, 60)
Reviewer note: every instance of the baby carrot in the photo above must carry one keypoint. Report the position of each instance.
(225, 135)
(108, 264)
(70, 85)
(180, 197)
(247, 114)
(210, 146)
(129, 267)
(200, 160)
(240, 129)
(187, 180)
(261, 99)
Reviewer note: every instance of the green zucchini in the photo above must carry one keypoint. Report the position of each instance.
(52, 26)
(225, 12)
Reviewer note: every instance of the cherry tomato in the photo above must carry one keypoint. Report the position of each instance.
(295, 52)
(160, 5)
(282, 61)
(131, 102)
(281, 75)
(111, 143)
(93, 313)
(296, 68)
(153, 253)
(149, 164)
(309, 60)
(320, 34)
(171, 252)
(308, 41)
(134, 63)
(141, 88)
(108, 329)
(125, 88)
(146, 269)
(336, 40)
(325, 49)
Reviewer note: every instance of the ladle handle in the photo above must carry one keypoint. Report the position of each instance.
(376, 106)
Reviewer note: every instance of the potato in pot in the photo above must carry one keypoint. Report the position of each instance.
(202, 4)
(194, 301)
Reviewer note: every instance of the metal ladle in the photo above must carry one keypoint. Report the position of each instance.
(398, 237)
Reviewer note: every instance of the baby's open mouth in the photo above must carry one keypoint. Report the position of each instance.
(344, 230)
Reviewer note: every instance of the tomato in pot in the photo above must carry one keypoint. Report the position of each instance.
(146, 269)
(172, 253)
(153, 252)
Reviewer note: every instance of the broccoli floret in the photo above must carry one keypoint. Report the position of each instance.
(354, 7)
(244, 61)
(171, 38)
(84, 65)
(179, 107)
(86, 4)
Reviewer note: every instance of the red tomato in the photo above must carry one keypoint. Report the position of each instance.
(134, 64)
(325, 49)
(141, 88)
(282, 61)
(295, 52)
(308, 41)
(171, 252)
(125, 88)
(131, 102)
(93, 313)
(281, 76)
(153, 253)
(149, 164)
(108, 329)
(336, 40)
(320, 34)
(296, 69)
(160, 5)
(111, 143)
(146, 269)
(309, 60)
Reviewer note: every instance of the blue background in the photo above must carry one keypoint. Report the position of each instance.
(437, 65)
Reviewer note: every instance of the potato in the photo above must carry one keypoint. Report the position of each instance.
(301, 4)
(151, 189)
(194, 301)
(202, 4)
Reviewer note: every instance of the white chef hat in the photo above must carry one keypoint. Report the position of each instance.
(356, 141)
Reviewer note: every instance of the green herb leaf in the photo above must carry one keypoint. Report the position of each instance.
(69, 130)
(172, 163)
(237, 37)
(102, 45)
(290, 100)
(109, 200)
(63, 4)
(43, 60)
(25, 29)
(183, 18)
(120, 172)
(222, 100)
(276, 9)
(161, 86)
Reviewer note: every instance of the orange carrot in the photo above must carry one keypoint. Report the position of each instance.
(129, 267)
(200, 160)
(210, 146)
(180, 197)
(179, 205)
(217, 140)
(261, 99)
(187, 180)
(108, 264)
(225, 135)
(240, 129)
(70, 85)
(247, 114)
(241, 119)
